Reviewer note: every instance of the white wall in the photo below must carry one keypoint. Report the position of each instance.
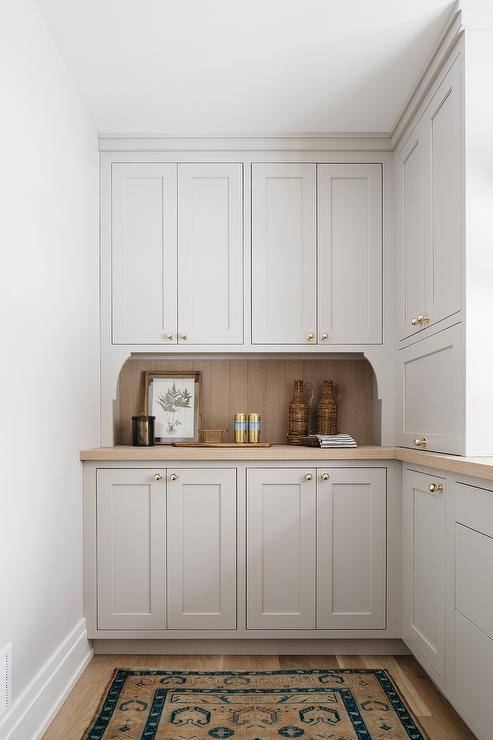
(48, 338)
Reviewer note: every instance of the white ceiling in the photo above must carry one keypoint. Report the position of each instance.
(254, 66)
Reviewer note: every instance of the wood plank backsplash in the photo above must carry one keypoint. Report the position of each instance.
(257, 385)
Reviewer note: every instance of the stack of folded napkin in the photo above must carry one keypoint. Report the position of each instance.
(336, 440)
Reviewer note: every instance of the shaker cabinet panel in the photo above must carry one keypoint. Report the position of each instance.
(143, 252)
(411, 188)
(202, 549)
(131, 538)
(429, 206)
(424, 541)
(281, 548)
(445, 253)
(350, 253)
(431, 393)
(473, 672)
(284, 291)
(210, 253)
(351, 550)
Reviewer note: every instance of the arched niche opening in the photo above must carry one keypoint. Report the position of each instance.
(262, 384)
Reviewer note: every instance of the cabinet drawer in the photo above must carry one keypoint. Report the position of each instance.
(431, 392)
(474, 508)
(473, 583)
(474, 672)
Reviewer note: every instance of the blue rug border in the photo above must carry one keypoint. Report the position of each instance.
(98, 727)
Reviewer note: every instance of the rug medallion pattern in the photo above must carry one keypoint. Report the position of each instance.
(340, 704)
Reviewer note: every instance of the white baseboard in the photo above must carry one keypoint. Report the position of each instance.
(32, 712)
(377, 646)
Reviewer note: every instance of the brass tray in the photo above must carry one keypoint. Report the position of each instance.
(221, 444)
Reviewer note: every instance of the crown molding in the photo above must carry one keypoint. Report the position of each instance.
(450, 37)
(145, 142)
(473, 13)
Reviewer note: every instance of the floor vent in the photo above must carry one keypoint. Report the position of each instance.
(5, 678)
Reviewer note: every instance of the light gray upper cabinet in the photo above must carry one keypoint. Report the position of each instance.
(411, 227)
(210, 254)
(284, 254)
(429, 213)
(316, 288)
(349, 253)
(177, 253)
(445, 253)
(143, 252)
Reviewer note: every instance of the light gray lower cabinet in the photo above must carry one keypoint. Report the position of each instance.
(316, 537)
(351, 548)
(202, 549)
(131, 549)
(473, 614)
(281, 548)
(166, 549)
(424, 566)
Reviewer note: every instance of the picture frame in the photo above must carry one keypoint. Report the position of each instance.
(174, 397)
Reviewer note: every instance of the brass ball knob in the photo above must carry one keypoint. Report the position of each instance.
(170, 337)
(435, 488)
(325, 476)
(173, 476)
(324, 336)
(308, 476)
(420, 442)
(310, 337)
(184, 337)
(158, 476)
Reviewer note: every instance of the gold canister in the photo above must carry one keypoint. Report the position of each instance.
(240, 428)
(253, 428)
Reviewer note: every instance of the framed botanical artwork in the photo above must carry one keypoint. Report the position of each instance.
(175, 399)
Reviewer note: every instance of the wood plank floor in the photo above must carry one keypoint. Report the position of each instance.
(432, 710)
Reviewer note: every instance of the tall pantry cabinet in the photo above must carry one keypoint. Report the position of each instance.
(429, 220)
(429, 261)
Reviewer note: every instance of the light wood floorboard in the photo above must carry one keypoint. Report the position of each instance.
(435, 714)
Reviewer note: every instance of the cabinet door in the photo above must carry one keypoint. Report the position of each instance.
(281, 548)
(144, 253)
(350, 253)
(202, 550)
(284, 291)
(412, 184)
(351, 550)
(131, 511)
(431, 393)
(444, 256)
(423, 540)
(210, 254)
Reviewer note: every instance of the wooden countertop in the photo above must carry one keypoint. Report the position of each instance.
(275, 452)
(478, 467)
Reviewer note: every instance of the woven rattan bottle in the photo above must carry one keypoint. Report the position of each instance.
(327, 410)
(298, 413)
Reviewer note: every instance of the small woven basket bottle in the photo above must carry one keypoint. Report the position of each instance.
(298, 413)
(327, 410)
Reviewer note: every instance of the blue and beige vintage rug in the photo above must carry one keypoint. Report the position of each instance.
(340, 704)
